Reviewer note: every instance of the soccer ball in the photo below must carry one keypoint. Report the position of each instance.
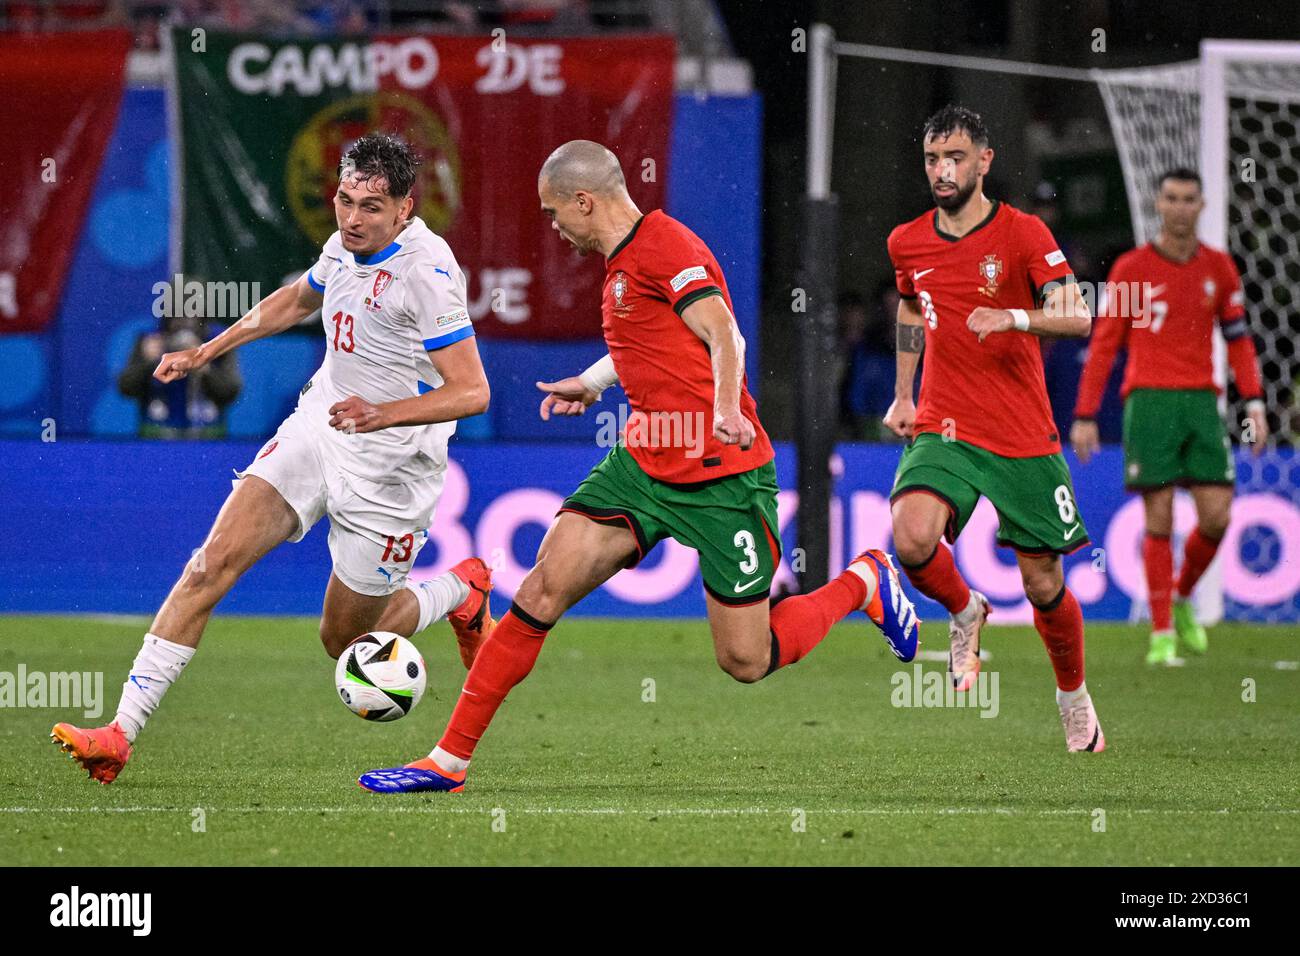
(380, 676)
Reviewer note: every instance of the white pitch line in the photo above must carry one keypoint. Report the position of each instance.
(667, 811)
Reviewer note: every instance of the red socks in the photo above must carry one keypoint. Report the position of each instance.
(1158, 557)
(503, 661)
(937, 578)
(1198, 552)
(1060, 624)
(799, 623)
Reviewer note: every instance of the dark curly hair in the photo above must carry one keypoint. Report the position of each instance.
(1183, 174)
(383, 155)
(952, 118)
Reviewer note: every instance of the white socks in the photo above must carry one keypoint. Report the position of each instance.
(156, 667)
(437, 597)
(449, 762)
(1066, 699)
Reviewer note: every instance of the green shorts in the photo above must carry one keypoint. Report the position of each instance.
(1175, 436)
(1034, 497)
(730, 521)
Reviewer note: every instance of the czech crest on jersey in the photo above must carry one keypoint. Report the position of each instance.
(990, 272)
(382, 281)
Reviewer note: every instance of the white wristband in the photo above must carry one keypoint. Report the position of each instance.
(1255, 405)
(1020, 318)
(600, 376)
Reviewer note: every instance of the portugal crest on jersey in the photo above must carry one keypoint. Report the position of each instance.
(619, 289)
(990, 272)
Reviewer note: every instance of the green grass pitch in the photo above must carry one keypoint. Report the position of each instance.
(579, 768)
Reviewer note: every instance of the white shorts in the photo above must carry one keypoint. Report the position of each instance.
(376, 530)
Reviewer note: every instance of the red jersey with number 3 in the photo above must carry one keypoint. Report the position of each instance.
(650, 279)
(1163, 312)
(991, 393)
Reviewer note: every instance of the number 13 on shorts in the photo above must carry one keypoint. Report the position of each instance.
(399, 548)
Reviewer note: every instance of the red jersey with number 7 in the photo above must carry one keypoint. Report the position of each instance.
(1163, 312)
(991, 393)
(654, 274)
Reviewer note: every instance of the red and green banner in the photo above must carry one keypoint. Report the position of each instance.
(59, 94)
(262, 124)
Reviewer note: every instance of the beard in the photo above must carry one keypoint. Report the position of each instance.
(955, 200)
(582, 247)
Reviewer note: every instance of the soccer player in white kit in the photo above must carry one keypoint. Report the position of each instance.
(367, 445)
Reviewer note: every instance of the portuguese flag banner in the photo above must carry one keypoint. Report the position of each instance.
(260, 124)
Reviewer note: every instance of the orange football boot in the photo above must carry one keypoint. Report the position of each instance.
(102, 751)
(472, 620)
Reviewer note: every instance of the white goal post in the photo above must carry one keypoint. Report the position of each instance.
(1235, 113)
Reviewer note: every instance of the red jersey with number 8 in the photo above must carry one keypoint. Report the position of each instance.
(991, 393)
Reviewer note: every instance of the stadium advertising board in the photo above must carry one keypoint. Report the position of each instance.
(154, 502)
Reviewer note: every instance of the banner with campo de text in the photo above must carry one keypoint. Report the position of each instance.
(59, 95)
(261, 124)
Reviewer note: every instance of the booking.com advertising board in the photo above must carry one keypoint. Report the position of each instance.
(130, 514)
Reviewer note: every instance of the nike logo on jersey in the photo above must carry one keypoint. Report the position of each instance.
(747, 584)
(1070, 534)
(925, 272)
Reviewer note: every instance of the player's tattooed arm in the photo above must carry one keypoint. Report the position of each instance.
(911, 341)
(712, 321)
(911, 338)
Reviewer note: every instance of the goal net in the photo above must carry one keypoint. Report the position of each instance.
(1236, 112)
